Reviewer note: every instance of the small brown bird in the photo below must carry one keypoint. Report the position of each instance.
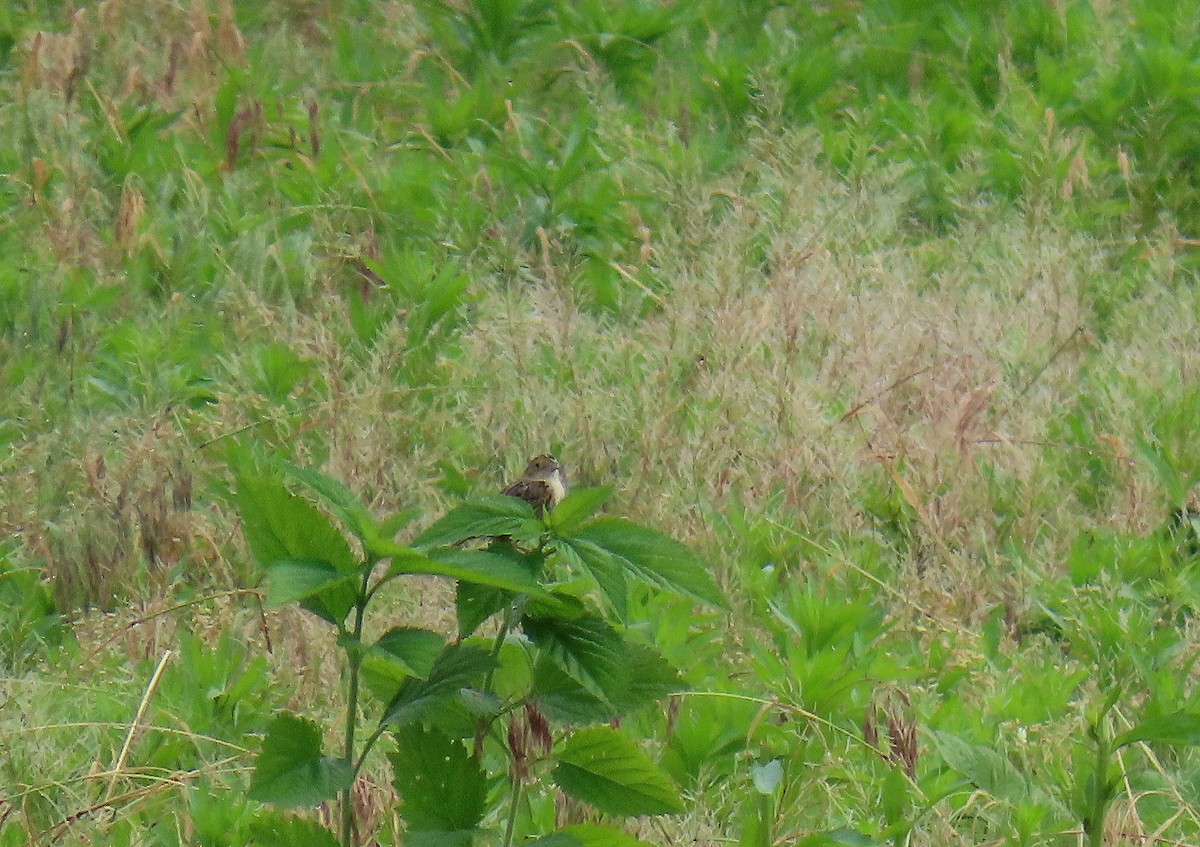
(543, 485)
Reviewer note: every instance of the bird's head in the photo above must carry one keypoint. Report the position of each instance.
(542, 467)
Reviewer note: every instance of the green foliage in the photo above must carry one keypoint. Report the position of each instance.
(290, 770)
(335, 230)
(602, 767)
(458, 669)
(760, 815)
(707, 737)
(30, 619)
(281, 526)
(609, 545)
(505, 562)
(442, 786)
(990, 771)
(588, 835)
(1172, 447)
(824, 650)
(277, 830)
(220, 692)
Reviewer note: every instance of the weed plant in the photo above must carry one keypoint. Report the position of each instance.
(887, 310)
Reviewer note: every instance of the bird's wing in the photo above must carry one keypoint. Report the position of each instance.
(536, 492)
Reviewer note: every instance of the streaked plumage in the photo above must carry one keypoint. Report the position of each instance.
(543, 485)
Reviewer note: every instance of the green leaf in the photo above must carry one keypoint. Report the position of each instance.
(604, 568)
(558, 604)
(343, 501)
(588, 835)
(319, 587)
(649, 555)
(440, 838)
(510, 572)
(896, 800)
(767, 777)
(758, 821)
(651, 677)
(474, 604)
(281, 525)
(459, 667)
(272, 829)
(399, 654)
(1181, 728)
(577, 507)
(989, 770)
(563, 698)
(481, 704)
(484, 518)
(416, 649)
(588, 649)
(602, 767)
(391, 525)
(290, 770)
(984, 767)
(443, 787)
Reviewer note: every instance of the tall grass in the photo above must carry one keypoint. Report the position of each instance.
(889, 310)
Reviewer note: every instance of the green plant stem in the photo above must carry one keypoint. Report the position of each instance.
(511, 825)
(370, 742)
(510, 615)
(1095, 824)
(355, 659)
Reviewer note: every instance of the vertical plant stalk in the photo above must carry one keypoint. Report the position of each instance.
(511, 824)
(511, 615)
(137, 722)
(355, 659)
(1100, 788)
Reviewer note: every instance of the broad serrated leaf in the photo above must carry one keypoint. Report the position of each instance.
(559, 604)
(290, 770)
(651, 677)
(459, 667)
(417, 649)
(272, 829)
(602, 767)
(341, 499)
(565, 699)
(604, 567)
(490, 516)
(1182, 728)
(281, 525)
(588, 835)
(399, 654)
(577, 507)
(647, 678)
(443, 787)
(648, 555)
(318, 586)
(512, 681)
(474, 604)
(589, 650)
(989, 770)
(511, 572)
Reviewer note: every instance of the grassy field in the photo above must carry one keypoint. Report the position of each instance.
(887, 310)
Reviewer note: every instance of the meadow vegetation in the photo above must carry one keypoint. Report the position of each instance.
(886, 312)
